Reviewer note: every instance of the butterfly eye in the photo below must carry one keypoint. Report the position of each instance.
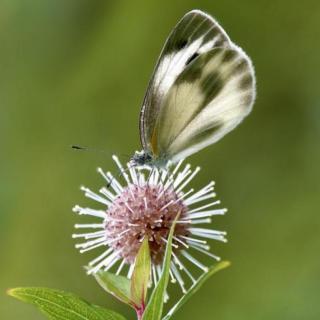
(195, 55)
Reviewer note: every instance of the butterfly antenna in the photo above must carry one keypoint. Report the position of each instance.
(77, 147)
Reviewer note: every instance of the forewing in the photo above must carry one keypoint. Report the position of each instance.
(195, 34)
(208, 99)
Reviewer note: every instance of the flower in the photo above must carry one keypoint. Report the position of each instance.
(146, 207)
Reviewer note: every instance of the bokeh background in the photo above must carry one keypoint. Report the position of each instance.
(75, 72)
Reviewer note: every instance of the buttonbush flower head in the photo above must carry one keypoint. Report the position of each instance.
(145, 205)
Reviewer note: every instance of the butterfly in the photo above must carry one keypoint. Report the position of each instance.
(202, 87)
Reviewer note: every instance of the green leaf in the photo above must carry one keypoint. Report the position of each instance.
(60, 305)
(196, 286)
(141, 274)
(118, 286)
(155, 306)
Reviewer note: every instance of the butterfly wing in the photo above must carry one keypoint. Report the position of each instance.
(196, 32)
(202, 87)
(208, 99)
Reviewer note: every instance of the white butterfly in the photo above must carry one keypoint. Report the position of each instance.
(202, 87)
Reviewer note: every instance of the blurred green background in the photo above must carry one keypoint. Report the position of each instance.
(76, 71)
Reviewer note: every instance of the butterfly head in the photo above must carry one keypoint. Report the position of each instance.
(141, 158)
(145, 158)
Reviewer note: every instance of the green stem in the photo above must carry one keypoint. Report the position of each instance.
(140, 311)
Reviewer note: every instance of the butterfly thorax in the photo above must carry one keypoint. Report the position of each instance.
(145, 158)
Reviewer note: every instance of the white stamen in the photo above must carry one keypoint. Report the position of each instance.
(103, 175)
(201, 221)
(184, 195)
(107, 193)
(207, 253)
(203, 230)
(186, 271)
(105, 262)
(166, 205)
(104, 243)
(201, 192)
(90, 194)
(89, 212)
(89, 226)
(110, 219)
(180, 241)
(130, 272)
(193, 239)
(156, 177)
(89, 235)
(194, 261)
(189, 179)
(142, 179)
(178, 277)
(112, 263)
(123, 232)
(182, 175)
(124, 174)
(131, 192)
(166, 297)
(114, 183)
(151, 177)
(210, 234)
(128, 207)
(209, 213)
(173, 280)
(120, 267)
(209, 196)
(199, 245)
(159, 271)
(170, 178)
(163, 176)
(177, 167)
(174, 245)
(168, 184)
(205, 206)
(161, 193)
(155, 281)
(103, 255)
(184, 221)
(177, 261)
(133, 174)
(89, 243)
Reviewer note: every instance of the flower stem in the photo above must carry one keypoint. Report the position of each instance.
(140, 311)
